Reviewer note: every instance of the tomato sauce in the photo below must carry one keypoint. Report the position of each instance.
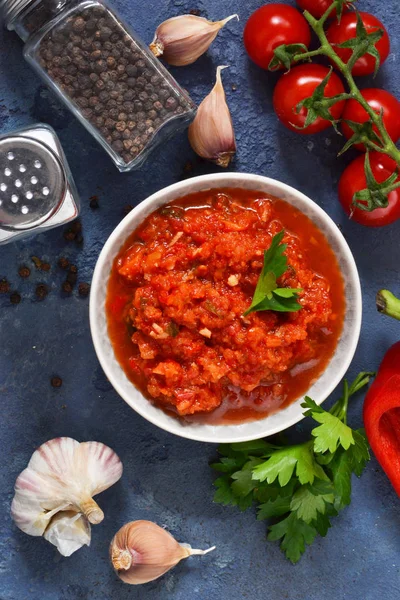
(177, 295)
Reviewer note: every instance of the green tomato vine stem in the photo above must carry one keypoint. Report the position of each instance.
(326, 49)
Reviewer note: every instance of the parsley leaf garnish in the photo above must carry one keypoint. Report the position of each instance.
(300, 486)
(267, 295)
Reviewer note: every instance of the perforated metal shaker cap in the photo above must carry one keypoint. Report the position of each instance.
(32, 183)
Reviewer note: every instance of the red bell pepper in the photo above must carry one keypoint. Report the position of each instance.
(382, 416)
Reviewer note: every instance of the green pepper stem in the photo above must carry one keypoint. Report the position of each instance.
(388, 304)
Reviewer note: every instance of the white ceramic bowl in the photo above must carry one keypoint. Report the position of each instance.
(279, 421)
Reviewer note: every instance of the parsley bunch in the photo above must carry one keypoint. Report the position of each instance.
(300, 486)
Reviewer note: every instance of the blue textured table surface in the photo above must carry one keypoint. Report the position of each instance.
(167, 479)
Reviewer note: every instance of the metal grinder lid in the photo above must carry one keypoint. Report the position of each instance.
(32, 183)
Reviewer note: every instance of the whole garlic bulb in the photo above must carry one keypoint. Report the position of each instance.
(142, 551)
(61, 479)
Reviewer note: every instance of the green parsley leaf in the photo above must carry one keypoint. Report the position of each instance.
(283, 462)
(322, 523)
(255, 447)
(224, 494)
(359, 453)
(274, 508)
(341, 471)
(244, 483)
(295, 534)
(308, 505)
(267, 295)
(227, 465)
(331, 433)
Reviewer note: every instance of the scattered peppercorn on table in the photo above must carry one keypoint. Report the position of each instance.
(52, 385)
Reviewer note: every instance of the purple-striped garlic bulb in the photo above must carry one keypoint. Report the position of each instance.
(54, 494)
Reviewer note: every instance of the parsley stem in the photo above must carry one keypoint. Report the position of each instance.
(339, 409)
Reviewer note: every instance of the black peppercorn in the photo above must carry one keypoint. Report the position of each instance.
(99, 108)
(84, 289)
(82, 102)
(41, 291)
(24, 272)
(117, 145)
(71, 278)
(94, 202)
(90, 25)
(56, 382)
(63, 263)
(131, 70)
(109, 123)
(171, 103)
(15, 298)
(4, 286)
(69, 235)
(67, 287)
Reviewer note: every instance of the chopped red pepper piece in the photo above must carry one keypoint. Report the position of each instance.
(382, 416)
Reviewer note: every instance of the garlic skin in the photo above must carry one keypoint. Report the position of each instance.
(63, 475)
(182, 40)
(142, 551)
(211, 134)
(68, 531)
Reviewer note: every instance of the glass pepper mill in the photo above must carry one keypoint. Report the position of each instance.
(109, 79)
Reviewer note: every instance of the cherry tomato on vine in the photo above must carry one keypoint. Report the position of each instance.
(378, 100)
(316, 8)
(353, 180)
(297, 85)
(338, 33)
(271, 26)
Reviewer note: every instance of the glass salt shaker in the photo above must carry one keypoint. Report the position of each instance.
(109, 79)
(37, 191)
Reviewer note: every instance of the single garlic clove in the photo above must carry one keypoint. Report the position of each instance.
(63, 475)
(211, 134)
(68, 531)
(142, 551)
(182, 40)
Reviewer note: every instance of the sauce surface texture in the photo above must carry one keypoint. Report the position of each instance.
(176, 297)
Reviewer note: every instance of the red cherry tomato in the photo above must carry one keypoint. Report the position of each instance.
(353, 180)
(271, 26)
(378, 100)
(316, 8)
(297, 85)
(346, 30)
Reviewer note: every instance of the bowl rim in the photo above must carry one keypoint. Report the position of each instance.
(214, 181)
